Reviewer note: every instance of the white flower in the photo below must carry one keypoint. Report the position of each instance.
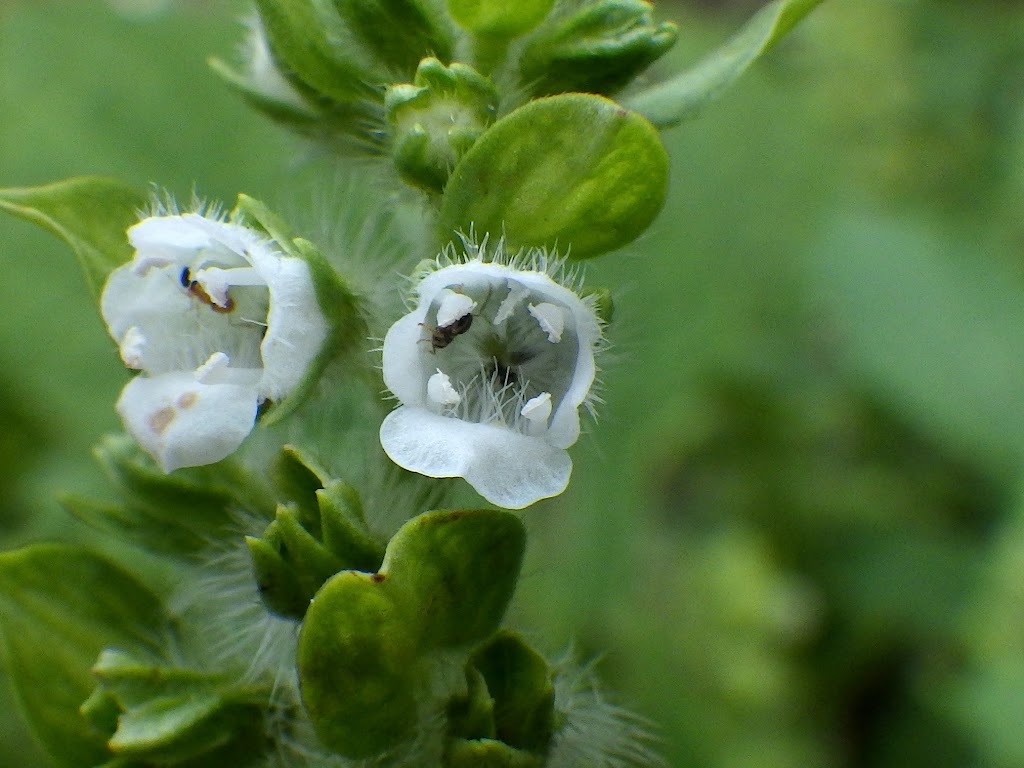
(218, 321)
(490, 369)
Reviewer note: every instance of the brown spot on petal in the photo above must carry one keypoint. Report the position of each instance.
(162, 419)
(187, 400)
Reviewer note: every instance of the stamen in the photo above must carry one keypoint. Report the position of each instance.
(132, 346)
(454, 306)
(441, 391)
(551, 319)
(537, 411)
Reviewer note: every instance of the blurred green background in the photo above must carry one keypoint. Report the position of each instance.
(796, 535)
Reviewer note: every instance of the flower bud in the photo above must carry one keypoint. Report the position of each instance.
(437, 119)
(594, 48)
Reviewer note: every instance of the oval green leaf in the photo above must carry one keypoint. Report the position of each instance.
(356, 664)
(459, 569)
(576, 171)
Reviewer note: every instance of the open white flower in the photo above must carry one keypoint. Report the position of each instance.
(218, 321)
(491, 368)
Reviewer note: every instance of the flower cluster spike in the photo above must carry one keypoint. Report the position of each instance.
(318, 532)
(436, 119)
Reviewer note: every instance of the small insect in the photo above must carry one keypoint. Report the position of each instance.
(441, 337)
(197, 291)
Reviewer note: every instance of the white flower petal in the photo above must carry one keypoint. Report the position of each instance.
(405, 360)
(296, 328)
(506, 468)
(551, 319)
(183, 423)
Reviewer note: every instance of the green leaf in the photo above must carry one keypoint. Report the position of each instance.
(574, 171)
(60, 605)
(395, 34)
(175, 513)
(499, 18)
(460, 569)
(295, 115)
(684, 96)
(303, 44)
(90, 214)
(357, 665)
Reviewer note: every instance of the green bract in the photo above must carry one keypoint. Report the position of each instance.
(506, 718)
(366, 640)
(594, 47)
(576, 172)
(167, 714)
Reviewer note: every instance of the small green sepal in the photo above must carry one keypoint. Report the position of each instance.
(319, 530)
(89, 213)
(436, 119)
(594, 48)
(575, 172)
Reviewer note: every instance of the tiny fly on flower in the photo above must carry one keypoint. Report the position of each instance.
(441, 337)
(196, 290)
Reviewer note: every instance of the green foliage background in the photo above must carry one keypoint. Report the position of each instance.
(796, 535)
